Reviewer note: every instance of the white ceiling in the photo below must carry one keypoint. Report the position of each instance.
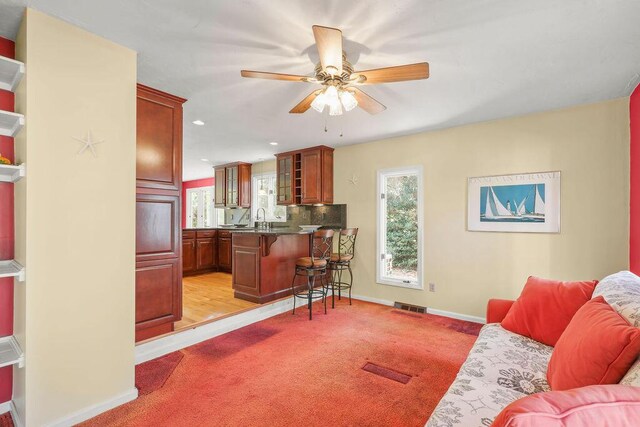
(489, 59)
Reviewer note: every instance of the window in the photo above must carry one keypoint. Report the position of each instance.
(200, 210)
(263, 192)
(400, 227)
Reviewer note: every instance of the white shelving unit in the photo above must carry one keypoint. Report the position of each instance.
(11, 173)
(12, 268)
(10, 352)
(11, 72)
(10, 123)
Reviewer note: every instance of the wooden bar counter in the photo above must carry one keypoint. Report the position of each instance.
(264, 262)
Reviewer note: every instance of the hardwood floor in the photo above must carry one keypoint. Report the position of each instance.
(206, 297)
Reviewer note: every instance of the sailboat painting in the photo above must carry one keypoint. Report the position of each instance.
(515, 203)
(512, 203)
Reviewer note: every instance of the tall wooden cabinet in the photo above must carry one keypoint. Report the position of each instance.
(233, 185)
(305, 177)
(158, 227)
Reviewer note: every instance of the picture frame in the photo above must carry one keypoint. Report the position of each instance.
(516, 203)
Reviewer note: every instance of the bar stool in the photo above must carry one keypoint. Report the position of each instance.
(341, 262)
(312, 267)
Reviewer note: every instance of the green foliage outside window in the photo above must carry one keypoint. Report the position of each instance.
(402, 221)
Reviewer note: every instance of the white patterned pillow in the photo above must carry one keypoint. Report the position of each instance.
(633, 375)
(622, 292)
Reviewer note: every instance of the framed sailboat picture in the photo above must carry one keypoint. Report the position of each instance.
(525, 203)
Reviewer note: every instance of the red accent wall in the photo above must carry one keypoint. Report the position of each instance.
(6, 234)
(196, 183)
(634, 155)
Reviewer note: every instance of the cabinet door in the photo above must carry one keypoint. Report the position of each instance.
(221, 188)
(224, 253)
(311, 176)
(158, 233)
(244, 186)
(232, 186)
(284, 179)
(158, 140)
(158, 299)
(327, 176)
(188, 255)
(205, 254)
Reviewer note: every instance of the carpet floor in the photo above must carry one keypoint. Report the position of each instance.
(288, 370)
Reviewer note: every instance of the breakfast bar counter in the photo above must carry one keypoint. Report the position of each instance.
(264, 262)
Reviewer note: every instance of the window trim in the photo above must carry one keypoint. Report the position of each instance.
(254, 194)
(200, 220)
(381, 215)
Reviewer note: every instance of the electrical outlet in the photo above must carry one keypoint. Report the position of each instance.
(432, 287)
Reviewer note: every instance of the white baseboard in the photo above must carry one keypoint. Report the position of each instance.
(468, 318)
(370, 299)
(450, 314)
(161, 346)
(5, 407)
(92, 411)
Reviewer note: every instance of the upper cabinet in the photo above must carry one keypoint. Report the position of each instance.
(233, 185)
(159, 140)
(305, 177)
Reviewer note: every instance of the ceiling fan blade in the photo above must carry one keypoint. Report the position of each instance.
(366, 102)
(400, 73)
(305, 104)
(329, 43)
(273, 76)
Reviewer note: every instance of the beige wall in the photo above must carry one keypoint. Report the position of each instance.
(589, 144)
(75, 221)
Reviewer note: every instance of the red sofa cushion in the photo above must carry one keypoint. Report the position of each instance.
(598, 347)
(612, 405)
(545, 308)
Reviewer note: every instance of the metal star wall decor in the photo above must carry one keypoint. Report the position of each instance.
(354, 179)
(89, 143)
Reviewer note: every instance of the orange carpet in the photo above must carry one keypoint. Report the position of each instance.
(6, 420)
(288, 370)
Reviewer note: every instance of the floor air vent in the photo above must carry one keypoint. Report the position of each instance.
(410, 307)
(387, 373)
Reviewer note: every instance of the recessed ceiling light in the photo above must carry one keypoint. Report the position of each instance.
(205, 160)
(273, 143)
(198, 122)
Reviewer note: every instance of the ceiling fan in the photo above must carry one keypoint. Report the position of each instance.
(338, 79)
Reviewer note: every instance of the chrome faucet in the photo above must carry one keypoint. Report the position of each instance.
(263, 223)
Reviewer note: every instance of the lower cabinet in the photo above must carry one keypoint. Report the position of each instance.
(158, 284)
(199, 251)
(224, 251)
(188, 252)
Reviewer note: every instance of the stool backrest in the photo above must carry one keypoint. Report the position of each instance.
(347, 241)
(322, 244)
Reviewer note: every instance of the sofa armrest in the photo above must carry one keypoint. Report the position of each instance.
(618, 405)
(497, 309)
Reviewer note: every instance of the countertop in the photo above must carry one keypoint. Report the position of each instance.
(247, 230)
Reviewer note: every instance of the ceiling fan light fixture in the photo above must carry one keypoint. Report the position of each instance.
(318, 103)
(335, 109)
(349, 102)
(331, 70)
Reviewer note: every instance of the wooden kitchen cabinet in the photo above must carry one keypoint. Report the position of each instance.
(188, 252)
(159, 244)
(285, 177)
(220, 195)
(199, 251)
(305, 177)
(224, 251)
(233, 185)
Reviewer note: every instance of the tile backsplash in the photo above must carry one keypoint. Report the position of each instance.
(331, 216)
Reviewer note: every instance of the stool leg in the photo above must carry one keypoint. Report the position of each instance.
(311, 280)
(350, 281)
(293, 292)
(324, 296)
(340, 283)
